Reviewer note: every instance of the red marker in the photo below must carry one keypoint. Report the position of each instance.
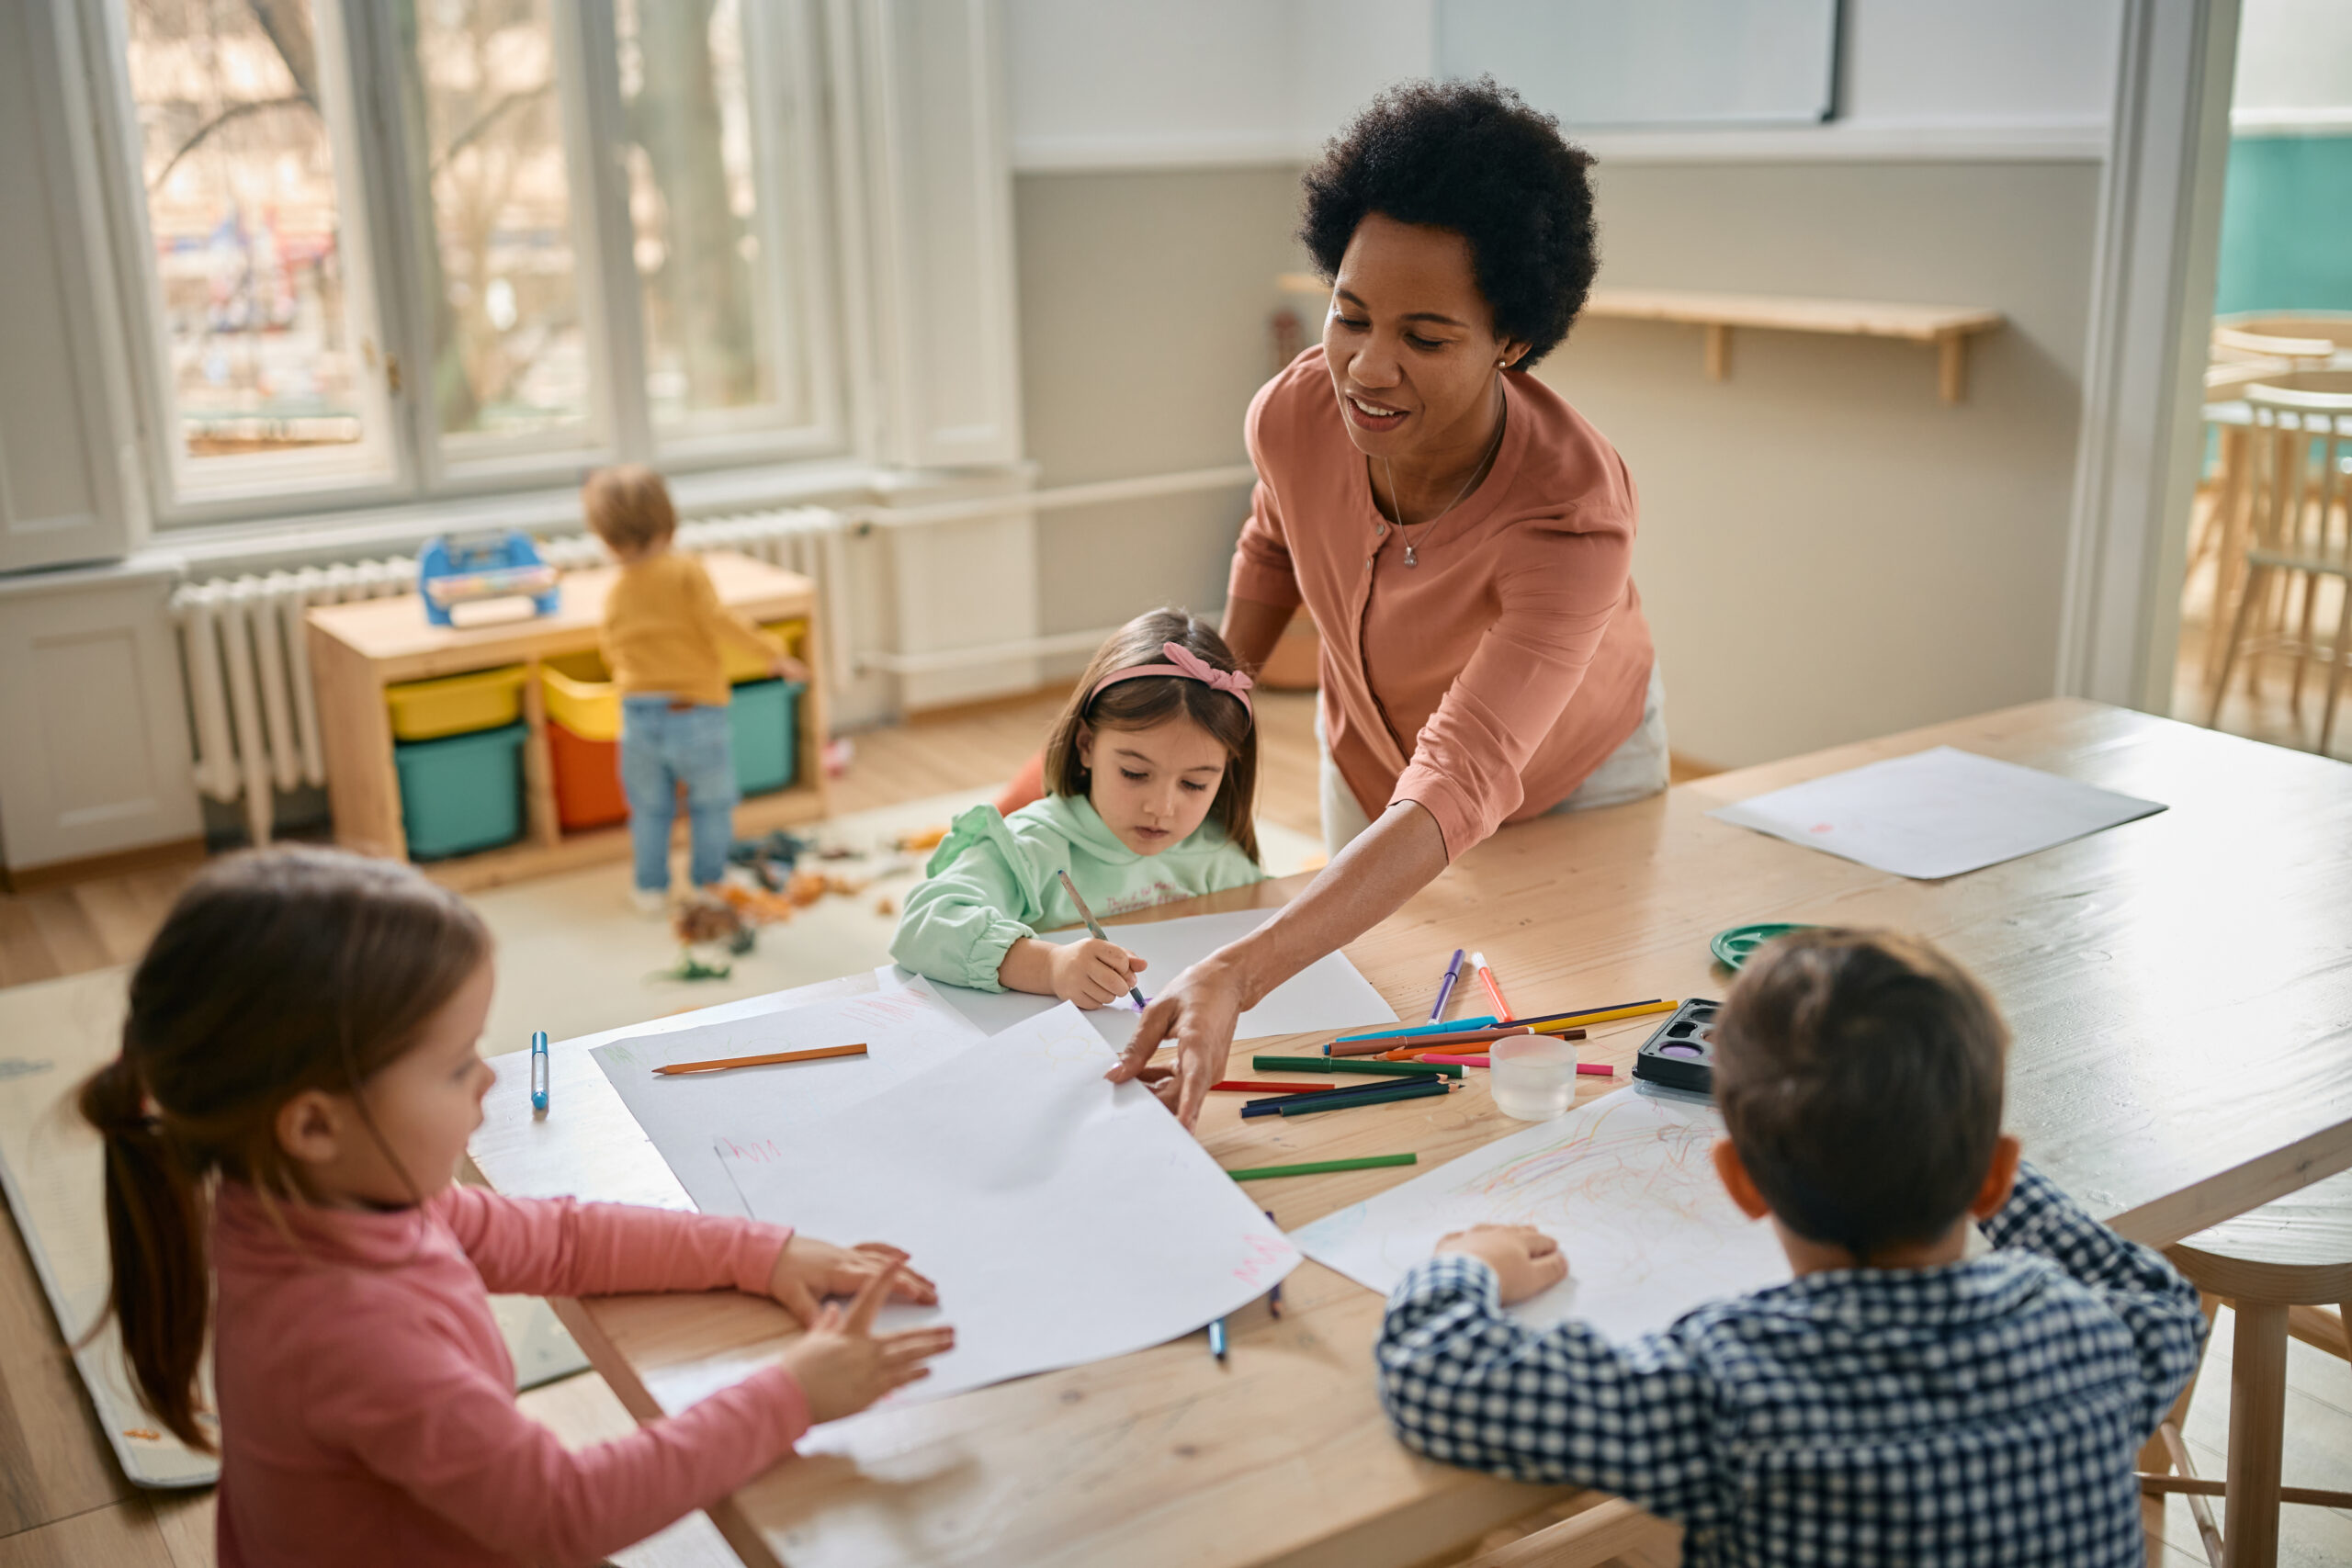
(1487, 978)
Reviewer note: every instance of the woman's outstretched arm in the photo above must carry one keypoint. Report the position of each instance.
(1367, 882)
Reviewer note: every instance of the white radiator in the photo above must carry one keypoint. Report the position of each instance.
(251, 708)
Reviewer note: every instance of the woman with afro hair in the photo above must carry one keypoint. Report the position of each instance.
(1462, 537)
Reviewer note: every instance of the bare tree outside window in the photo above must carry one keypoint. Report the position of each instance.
(242, 202)
(511, 350)
(694, 207)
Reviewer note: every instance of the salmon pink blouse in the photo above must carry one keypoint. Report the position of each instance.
(1487, 681)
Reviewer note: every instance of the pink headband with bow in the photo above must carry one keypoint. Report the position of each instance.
(1184, 661)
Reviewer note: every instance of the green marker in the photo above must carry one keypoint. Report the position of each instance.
(1322, 1166)
(1354, 1064)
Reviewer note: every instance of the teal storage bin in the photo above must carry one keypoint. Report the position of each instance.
(763, 720)
(461, 793)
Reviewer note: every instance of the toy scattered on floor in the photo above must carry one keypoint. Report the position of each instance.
(886, 905)
(836, 755)
(689, 967)
(770, 858)
(455, 569)
(929, 838)
(708, 919)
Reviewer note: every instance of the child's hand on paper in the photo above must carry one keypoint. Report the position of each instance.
(842, 1365)
(808, 1270)
(1527, 1261)
(1094, 974)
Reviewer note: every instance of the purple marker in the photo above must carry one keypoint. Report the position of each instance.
(1445, 987)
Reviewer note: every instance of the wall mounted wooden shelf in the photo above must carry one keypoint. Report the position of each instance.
(1947, 327)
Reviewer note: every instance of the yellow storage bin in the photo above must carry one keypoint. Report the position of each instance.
(580, 696)
(742, 666)
(484, 699)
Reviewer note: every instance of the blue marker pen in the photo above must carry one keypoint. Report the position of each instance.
(539, 1070)
(1216, 1338)
(1445, 987)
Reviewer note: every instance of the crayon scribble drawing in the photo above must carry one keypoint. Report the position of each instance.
(1626, 1185)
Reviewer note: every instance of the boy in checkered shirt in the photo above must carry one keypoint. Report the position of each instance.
(1897, 1401)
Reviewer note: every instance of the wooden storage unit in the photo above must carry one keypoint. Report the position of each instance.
(359, 648)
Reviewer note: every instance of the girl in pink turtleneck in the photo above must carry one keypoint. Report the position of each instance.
(297, 1084)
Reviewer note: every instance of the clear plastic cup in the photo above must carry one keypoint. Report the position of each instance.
(1533, 1076)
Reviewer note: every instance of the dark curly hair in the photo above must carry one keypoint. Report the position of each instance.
(1469, 156)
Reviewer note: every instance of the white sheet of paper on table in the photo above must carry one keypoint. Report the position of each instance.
(905, 1031)
(1625, 1184)
(1936, 813)
(1064, 1219)
(1328, 993)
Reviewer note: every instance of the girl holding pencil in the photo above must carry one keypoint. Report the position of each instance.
(297, 1084)
(1151, 774)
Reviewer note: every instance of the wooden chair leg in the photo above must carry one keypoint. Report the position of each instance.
(2257, 580)
(2257, 1432)
(2155, 1455)
(2335, 669)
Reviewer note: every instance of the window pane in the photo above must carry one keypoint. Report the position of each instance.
(243, 206)
(511, 349)
(712, 281)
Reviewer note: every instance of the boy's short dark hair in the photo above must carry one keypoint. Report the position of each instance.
(1860, 1074)
(628, 507)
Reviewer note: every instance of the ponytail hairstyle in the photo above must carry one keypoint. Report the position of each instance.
(1142, 702)
(276, 972)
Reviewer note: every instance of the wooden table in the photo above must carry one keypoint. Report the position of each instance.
(2181, 993)
(356, 649)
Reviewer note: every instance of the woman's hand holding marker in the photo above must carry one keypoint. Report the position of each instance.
(1524, 1259)
(842, 1365)
(1093, 973)
(808, 1270)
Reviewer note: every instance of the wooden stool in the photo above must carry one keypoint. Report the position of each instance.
(2300, 532)
(2279, 1268)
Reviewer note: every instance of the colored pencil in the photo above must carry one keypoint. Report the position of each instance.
(769, 1060)
(1445, 987)
(1425, 1042)
(1274, 1295)
(1349, 1091)
(1252, 1085)
(1307, 1105)
(1339, 1065)
(1487, 978)
(1552, 1023)
(1454, 1045)
(1095, 929)
(1593, 1069)
(1321, 1166)
(1451, 1026)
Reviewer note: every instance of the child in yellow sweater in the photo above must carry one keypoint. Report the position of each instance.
(663, 630)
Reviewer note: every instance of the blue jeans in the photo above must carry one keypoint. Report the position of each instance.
(660, 750)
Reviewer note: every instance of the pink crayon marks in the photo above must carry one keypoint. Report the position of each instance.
(1268, 1256)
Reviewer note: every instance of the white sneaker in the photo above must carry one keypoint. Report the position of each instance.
(653, 902)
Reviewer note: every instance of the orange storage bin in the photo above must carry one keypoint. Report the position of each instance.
(587, 780)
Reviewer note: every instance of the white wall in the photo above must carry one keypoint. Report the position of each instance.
(1134, 84)
(2294, 66)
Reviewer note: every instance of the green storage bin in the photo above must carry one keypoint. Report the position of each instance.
(764, 723)
(461, 793)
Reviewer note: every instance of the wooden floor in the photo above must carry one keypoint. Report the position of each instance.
(65, 1504)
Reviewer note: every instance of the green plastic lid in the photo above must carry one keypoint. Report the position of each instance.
(1731, 947)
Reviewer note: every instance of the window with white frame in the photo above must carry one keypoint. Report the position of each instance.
(384, 249)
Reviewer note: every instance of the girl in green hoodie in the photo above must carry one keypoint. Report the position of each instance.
(1150, 774)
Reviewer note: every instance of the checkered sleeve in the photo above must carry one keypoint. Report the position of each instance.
(2147, 1293)
(1469, 1385)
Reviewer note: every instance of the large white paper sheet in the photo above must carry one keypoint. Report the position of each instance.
(905, 1031)
(1065, 1220)
(1328, 993)
(1936, 813)
(1625, 1184)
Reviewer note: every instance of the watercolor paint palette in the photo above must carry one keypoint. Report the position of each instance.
(1681, 1054)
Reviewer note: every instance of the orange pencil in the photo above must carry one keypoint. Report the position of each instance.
(1421, 1050)
(769, 1059)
